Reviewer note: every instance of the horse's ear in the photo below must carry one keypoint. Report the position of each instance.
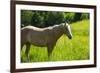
(65, 24)
(68, 21)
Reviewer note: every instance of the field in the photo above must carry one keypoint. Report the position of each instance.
(75, 49)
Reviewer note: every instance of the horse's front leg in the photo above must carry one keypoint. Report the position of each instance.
(27, 50)
(49, 49)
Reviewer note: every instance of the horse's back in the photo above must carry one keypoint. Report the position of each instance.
(34, 35)
(33, 28)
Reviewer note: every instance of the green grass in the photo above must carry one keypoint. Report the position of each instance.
(75, 49)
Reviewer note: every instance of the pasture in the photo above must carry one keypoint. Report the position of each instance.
(75, 49)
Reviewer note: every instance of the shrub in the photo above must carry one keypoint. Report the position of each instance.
(84, 16)
(26, 17)
(69, 17)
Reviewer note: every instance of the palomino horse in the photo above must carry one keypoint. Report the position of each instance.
(43, 36)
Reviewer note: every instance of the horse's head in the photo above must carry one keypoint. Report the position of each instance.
(67, 30)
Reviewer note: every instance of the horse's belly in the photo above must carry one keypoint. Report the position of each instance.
(38, 40)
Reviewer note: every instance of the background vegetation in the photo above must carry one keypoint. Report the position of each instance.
(75, 49)
(49, 18)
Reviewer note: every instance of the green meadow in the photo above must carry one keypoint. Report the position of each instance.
(65, 49)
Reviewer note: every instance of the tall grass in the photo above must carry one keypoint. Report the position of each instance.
(75, 49)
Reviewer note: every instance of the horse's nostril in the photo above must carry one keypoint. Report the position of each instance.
(70, 37)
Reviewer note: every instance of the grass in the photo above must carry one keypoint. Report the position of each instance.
(75, 49)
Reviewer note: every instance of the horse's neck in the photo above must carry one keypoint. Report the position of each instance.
(58, 32)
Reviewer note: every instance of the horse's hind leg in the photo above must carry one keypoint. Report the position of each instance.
(27, 50)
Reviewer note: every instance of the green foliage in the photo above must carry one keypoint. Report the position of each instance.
(84, 16)
(69, 16)
(72, 17)
(77, 17)
(26, 17)
(49, 18)
(65, 50)
(54, 18)
(38, 18)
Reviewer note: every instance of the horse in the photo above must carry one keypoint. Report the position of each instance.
(43, 37)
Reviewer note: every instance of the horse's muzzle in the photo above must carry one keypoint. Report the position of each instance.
(70, 37)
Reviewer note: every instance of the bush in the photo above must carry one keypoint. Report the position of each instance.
(49, 18)
(54, 18)
(37, 20)
(26, 17)
(77, 17)
(45, 19)
(69, 17)
(84, 16)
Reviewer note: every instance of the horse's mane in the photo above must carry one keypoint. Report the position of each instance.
(37, 28)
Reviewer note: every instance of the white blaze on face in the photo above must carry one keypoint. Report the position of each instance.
(69, 30)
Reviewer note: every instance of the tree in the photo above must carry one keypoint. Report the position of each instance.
(77, 17)
(49, 18)
(69, 16)
(53, 18)
(38, 19)
(26, 16)
(84, 16)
